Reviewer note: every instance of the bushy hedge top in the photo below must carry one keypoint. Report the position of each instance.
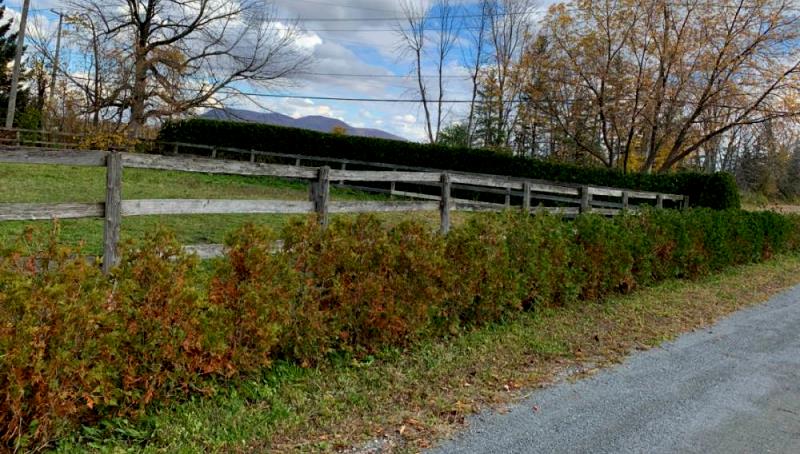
(716, 190)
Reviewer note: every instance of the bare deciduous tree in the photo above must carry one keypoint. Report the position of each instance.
(429, 36)
(510, 23)
(154, 59)
(413, 36)
(474, 56)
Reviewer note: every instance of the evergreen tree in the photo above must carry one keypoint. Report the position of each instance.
(8, 48)
(454, 135)
(489, 131)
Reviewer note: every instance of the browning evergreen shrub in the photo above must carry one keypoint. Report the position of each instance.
(159, 347)
(487, 286)
(54, 345)
(250, 299)
(604, 260)
(366, 286)
(78, 346)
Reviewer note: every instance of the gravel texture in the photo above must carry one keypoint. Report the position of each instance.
(730, 388)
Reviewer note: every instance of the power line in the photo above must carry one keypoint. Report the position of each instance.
(346, 6)
(233, 91)
(399, 18)
(337, 98)
(424, 76)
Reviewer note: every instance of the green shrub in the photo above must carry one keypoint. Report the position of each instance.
(79, 347)
(542, 248)
(486, 286)
(367, 287)
(716, 191)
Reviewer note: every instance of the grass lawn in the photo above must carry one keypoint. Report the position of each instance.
(410, 399)
(52, 184)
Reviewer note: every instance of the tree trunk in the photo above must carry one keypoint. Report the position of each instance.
(139, 93)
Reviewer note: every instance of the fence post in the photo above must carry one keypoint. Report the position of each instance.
(175, 149)
(444, 203)
(685, 203)
(214, 153)
(344, 167)
(320, 192)
(659, 201)
(113, 210)
(252, 155)
(624, 200)
(508, 197)
(526, 197)
(586, 199)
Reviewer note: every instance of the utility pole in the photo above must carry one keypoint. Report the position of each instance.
(12, 95)
(51, 97)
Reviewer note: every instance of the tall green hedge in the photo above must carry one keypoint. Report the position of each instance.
(716, 190)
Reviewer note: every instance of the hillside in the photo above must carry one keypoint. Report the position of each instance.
(312, 122)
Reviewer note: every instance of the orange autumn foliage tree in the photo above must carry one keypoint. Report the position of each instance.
(642, 85)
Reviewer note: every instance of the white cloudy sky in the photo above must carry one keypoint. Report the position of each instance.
(355, 54)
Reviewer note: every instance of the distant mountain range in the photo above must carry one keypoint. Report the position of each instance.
(312, 122)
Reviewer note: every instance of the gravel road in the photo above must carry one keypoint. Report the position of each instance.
(730, 388)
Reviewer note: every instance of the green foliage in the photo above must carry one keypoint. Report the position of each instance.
(79, 348)
(366, 287)
(454, 135)
(716, 191)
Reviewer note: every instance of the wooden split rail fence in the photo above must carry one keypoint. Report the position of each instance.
(557, 193)
(114, 208)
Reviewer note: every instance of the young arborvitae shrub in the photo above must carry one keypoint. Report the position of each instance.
(79, 346)
(542, 248)
(54, 349)
(603, 258)
(251, 299)
(366, 286)
(159, 347)
(793, 236)
(487, 286)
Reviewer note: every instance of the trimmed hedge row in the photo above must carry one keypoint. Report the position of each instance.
(718, 191)
(78, 347)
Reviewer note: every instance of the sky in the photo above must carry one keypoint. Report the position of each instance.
(355, 53)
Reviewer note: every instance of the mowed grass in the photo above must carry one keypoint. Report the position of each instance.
(54, 184)
(404, 401)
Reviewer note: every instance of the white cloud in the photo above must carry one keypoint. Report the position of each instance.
(406, 119)
(308, 41)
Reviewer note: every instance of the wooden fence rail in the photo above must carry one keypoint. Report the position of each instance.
(59, 140)
(114, 208)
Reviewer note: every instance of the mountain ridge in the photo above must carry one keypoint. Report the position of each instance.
(317, 123)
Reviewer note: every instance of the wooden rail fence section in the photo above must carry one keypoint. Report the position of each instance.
(115, 208)
(59, 140)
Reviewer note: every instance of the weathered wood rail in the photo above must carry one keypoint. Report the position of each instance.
(572, 200)
(472, 183)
